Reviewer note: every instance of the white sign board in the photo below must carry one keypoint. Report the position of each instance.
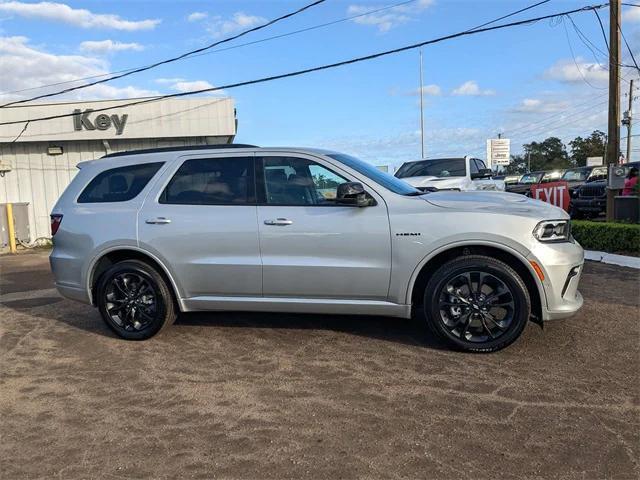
(594, 161)
(498, 151)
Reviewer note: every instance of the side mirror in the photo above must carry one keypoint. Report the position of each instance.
(352, 193)
(483, 173)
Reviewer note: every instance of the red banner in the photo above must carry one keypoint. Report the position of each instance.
(555, 193)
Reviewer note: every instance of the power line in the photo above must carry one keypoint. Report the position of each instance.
(628, 48)
(604, 35)
(274, 37)
(163, 62)
(566, 33)
(326, 66)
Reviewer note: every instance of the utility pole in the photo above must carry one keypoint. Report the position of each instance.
(613, 139)
(421, 110)
(628, 118)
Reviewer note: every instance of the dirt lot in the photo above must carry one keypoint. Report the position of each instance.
(236, 395)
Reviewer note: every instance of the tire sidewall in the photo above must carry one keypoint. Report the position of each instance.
(162, 299)
(483, 264)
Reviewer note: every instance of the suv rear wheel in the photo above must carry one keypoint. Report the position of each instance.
(477, 303)
(135, 300)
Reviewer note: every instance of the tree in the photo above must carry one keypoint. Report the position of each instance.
(518, 166)
(549, 154)
(592, 146)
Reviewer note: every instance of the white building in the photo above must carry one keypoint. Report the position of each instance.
(38, 163)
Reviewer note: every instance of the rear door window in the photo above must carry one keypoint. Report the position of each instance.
(212, 181)
(119, 184)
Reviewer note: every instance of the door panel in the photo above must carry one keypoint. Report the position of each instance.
(315, 248)
(203, 228)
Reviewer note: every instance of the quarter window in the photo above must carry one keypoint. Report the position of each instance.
(119, 184)
(297, 181)
(212, 181)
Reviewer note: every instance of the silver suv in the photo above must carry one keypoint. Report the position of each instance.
(145, 235)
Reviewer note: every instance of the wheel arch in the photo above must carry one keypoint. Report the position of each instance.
(118, 254)
(505, 254)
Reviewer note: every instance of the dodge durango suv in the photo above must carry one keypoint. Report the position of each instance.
(145, 235)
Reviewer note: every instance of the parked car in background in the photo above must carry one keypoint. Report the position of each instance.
(461, 173)
(527, 180)
(590, 198)
(145, 235)
(576, 177)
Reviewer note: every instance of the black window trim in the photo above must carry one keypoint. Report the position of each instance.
(150, 182)
(183, 159)
(261, 193)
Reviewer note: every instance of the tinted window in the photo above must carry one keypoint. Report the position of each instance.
(473, 166)
(297, 181)
(443, 167)
(212, 181)
(578, 175)
(530, 178)
(119, 184)
(381, 178)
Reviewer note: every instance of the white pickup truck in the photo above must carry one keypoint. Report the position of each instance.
(462, 173)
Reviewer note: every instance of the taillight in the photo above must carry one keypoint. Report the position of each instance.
(56, 220)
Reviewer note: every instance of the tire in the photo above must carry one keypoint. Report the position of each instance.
(476, 321)
(134, 300)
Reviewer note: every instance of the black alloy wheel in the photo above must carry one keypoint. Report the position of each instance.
(477, 303)
(135, 300)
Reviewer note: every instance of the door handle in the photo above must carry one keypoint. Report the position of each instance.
(281, 222)
(158, 221)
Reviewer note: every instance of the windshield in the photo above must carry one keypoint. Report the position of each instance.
(382, 178)
(531, 178)
(442, 168)
(579, 175)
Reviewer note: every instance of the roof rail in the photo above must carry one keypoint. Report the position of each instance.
(177, 149)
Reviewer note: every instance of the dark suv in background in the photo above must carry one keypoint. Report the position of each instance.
(590, 198)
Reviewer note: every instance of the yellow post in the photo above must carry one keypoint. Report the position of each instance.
(12, 230)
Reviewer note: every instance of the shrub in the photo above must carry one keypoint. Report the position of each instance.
(607, 237)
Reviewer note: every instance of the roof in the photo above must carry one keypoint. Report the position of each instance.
(178, 149)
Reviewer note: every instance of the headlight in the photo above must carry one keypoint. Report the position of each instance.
(553, 231)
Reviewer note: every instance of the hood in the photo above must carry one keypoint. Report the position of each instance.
(496, 202)
(436, 182)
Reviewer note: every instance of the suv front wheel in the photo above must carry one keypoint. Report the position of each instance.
(135, 300)
(477, 303)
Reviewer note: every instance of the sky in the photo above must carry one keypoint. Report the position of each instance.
(527, 82)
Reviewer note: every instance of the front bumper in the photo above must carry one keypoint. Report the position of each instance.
(562, 265)
(589, 204)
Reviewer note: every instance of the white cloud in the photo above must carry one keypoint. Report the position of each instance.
(165, 81)
(239, 21)
(568, 71)
(197, 16)
(182, 85)
(433, 90)
(535, 105)
(24, 66)
(631, 14)
(78, 17)
(108, 46)
(388, 19)
(471, 88)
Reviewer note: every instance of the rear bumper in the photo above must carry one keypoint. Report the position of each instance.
(562, 265)
(73, 293)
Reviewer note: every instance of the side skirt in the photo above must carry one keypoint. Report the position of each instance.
(296, 305)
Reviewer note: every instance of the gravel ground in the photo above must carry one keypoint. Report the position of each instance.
(238, 395)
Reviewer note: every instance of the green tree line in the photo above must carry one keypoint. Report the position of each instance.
(551, 153)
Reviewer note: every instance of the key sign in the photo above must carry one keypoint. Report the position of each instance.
(555, 193)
